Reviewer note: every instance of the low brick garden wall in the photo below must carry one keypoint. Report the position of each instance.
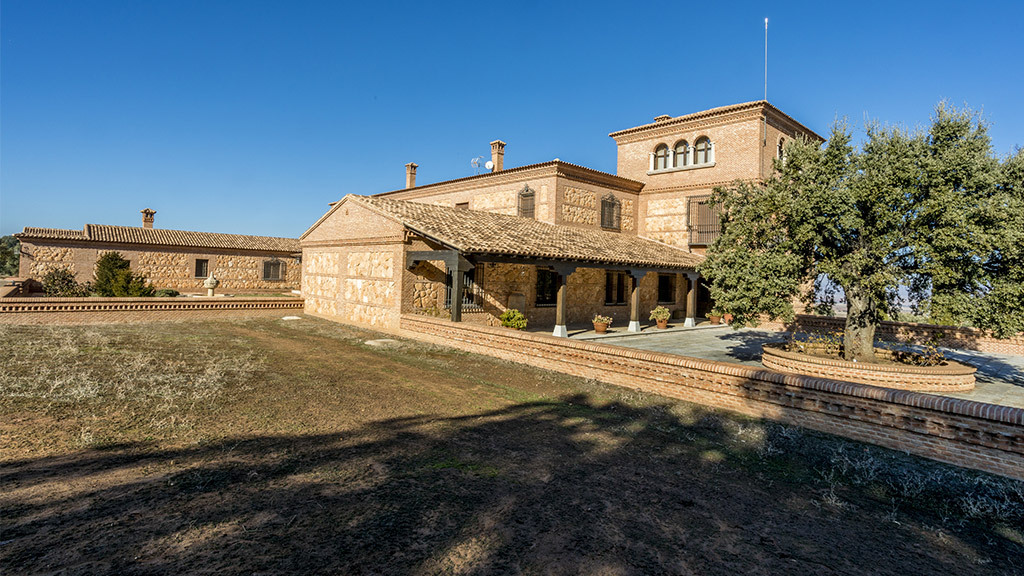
(945, 336)
(961, 432)
(114, 310)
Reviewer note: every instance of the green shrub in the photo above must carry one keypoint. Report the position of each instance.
(166, 293)
(114, 277)
(513, 318)
(661, 313)
(61, 282)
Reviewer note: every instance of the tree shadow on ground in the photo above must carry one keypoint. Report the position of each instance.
(745, 345)
(539, 487)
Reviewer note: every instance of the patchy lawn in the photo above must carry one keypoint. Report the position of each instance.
(268, 446)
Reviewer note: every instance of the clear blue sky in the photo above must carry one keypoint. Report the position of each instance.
(250, 116)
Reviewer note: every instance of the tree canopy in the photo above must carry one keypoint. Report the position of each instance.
(932, 211)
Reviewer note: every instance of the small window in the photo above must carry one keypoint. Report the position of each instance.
(782, 150)
(547, 287)
(471, 297)
(666, 288)
(202, 268)
(702, 151)
(273, 270)
(611, 212)
(661, 157)
(526, 202)
(462, 205)
(682, 151)
(615, 288)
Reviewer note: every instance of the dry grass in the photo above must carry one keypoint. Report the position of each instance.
(293, 447)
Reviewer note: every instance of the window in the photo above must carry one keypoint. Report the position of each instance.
(661, 157)
(615, 288)
(702, 149)
(273, 270)
(611, 212)
(547, 287)
(682, 150)
(666, 288)
(782, 150)
(703, 220)
(462, 205)
(526, 201)
(202, 268)
(471, 297)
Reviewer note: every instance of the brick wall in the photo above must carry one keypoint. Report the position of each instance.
(944, 336)
(961, 432)
(129, 310)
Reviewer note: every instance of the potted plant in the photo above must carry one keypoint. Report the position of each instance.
(661, 316)
(727, 318)
(715, 316)
(601, 323)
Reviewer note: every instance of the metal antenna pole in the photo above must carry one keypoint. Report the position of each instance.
(766, 59)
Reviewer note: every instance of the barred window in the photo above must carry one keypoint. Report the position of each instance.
(615, 288)
(202, 268)
(526, 202)
(547, 287)
(682, 150)
(471, 297)
(661, 157)
(611, 212)
(273, 270)
(704, 221)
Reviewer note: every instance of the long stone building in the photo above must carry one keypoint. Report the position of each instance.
(177, 259)
(557, 241)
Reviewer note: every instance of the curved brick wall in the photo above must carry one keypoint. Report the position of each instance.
(950, 377)
(961, 432)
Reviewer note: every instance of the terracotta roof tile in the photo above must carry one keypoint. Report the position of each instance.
(162, 237)
(473, 232)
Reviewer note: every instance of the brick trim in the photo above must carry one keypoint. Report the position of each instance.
(116, 310)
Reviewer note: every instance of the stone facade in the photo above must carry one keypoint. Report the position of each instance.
(165, 267)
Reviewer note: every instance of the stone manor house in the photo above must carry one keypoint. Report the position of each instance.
(556, 241)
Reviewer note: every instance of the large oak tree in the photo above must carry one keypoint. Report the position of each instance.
(934, 212)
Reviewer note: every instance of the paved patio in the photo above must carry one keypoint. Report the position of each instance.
(1000, 377)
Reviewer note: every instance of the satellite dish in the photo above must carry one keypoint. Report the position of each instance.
(475, 163)
(489, 165)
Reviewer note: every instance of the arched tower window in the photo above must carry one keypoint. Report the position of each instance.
(661, 157)
(682, 150)
(611, 211)
(702, 150)
(526, 202)
(781, 155)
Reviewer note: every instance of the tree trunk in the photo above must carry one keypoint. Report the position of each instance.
(861, 321)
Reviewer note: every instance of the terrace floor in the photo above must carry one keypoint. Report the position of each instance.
(1000, 377)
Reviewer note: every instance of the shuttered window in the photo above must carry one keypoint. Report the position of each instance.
(704, 221)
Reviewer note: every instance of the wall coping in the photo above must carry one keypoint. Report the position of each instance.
(955, 406)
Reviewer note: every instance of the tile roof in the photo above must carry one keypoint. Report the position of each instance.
(714, 112)
(162, 237)
(474, 232)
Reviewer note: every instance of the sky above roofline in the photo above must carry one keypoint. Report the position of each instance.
(249, 117)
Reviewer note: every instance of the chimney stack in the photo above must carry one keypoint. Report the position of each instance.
(410, 174)
(498, 155)
(147, 218)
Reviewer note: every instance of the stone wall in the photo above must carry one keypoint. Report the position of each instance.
(961, 432)
(944, 336)
(238, 271)
(358, 284)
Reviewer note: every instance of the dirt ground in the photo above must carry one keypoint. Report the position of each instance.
(269, 447)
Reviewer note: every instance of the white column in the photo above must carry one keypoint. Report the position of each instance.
(651, 168)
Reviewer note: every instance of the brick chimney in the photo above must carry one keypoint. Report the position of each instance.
(147, 218)
(662, 118)
(498, 155)
(410, 174)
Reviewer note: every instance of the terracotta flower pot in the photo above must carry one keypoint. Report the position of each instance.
(600, 328)
(727, 318)
(715, 319)
(662, 324)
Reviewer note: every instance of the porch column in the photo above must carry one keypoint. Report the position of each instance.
(634, 300)
(563, 272)
(691, 300)
(457, 264)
